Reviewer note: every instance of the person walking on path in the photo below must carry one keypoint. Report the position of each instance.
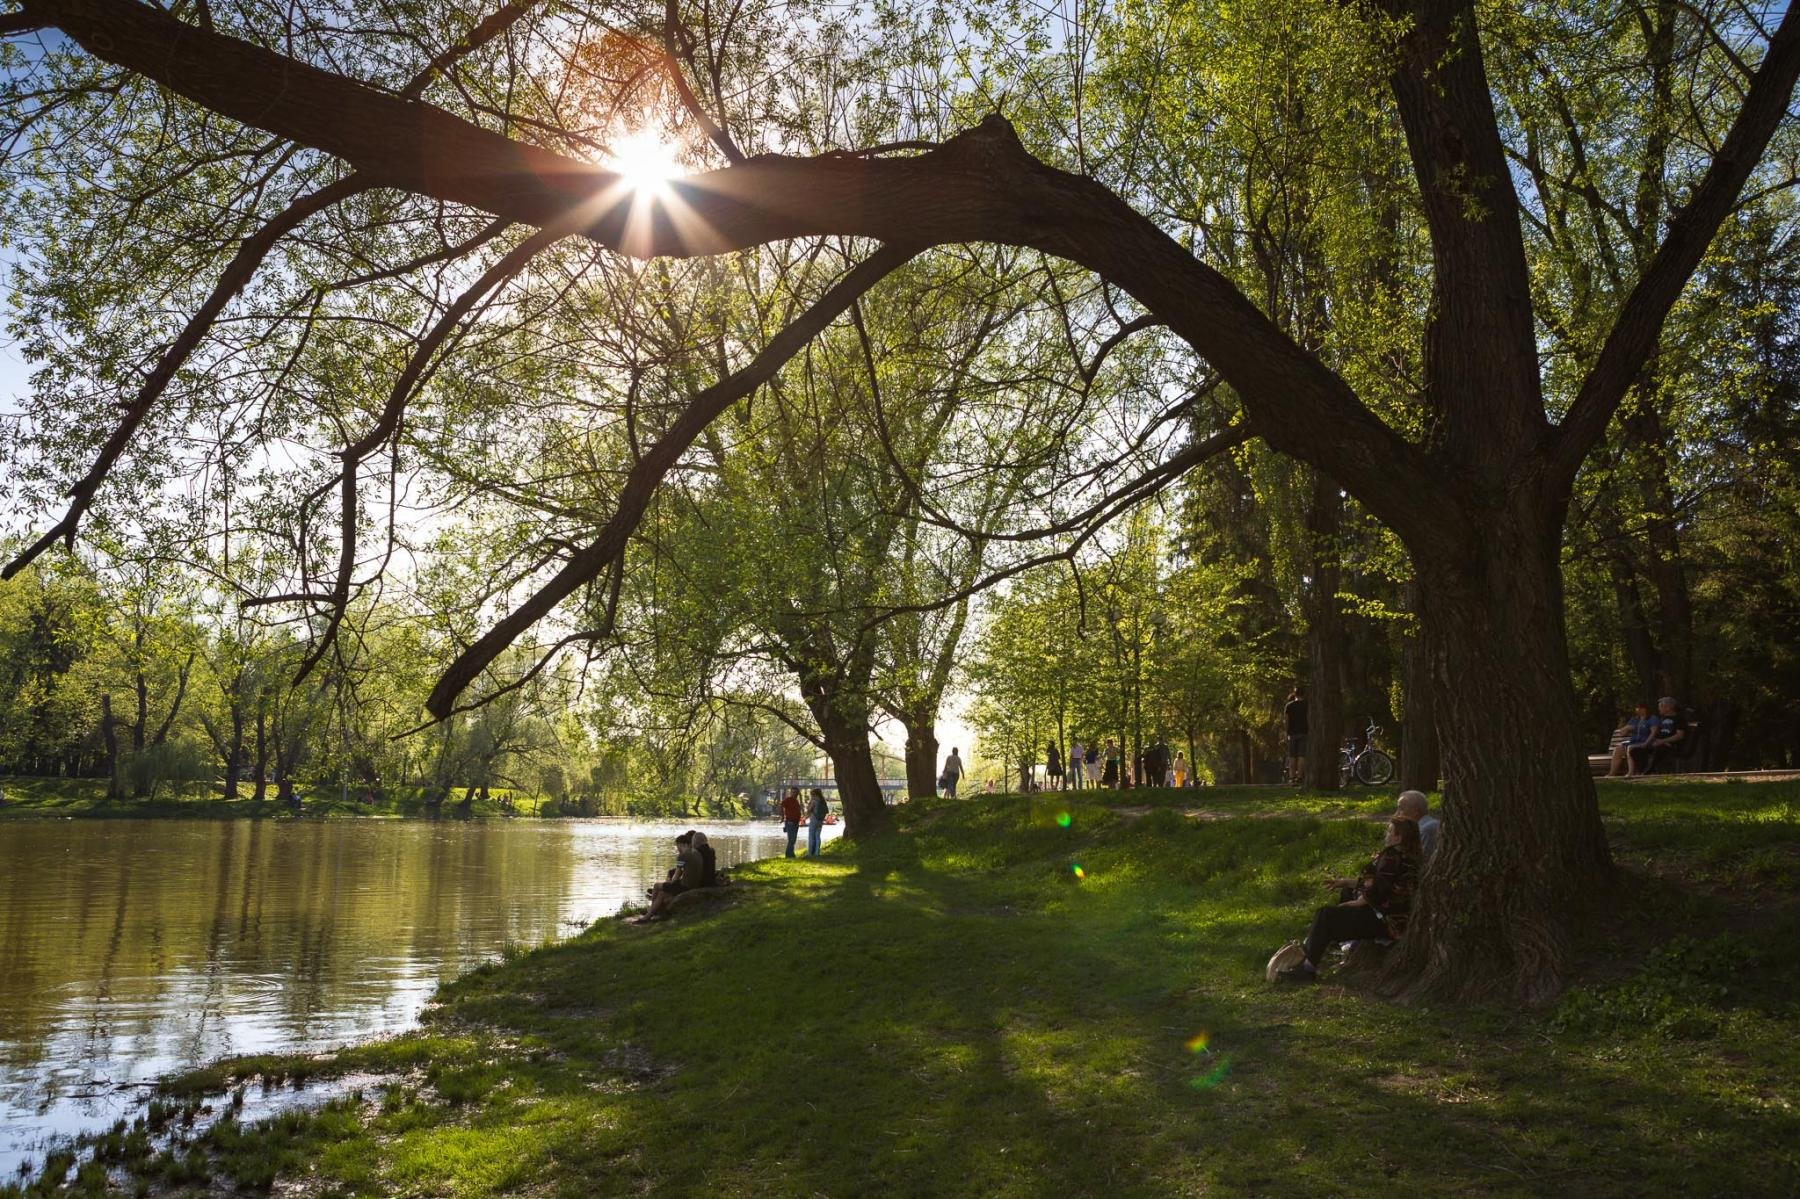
(790, 817)
(1179, 771)
(1295, 712)
(953, 772)
(1077, 765)
(1053, 769)
(815, 821)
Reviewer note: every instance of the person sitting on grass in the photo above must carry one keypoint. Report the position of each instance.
(693, 870)
(1372, 907)
(709, 860)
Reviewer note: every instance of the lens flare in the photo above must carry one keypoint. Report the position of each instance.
(1076, 870)
(1212, 1077)
(1064, 820)
(1196, 1043)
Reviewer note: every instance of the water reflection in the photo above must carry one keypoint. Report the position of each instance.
(135, 948)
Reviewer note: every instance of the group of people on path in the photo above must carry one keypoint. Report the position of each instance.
(1375, 905)
(816, 811)
(1087, 766)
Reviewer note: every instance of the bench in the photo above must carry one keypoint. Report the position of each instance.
(1599, 764)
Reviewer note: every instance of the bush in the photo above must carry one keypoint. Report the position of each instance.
(1682, 993)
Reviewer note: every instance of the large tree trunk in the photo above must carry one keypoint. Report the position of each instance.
(262, 756)
(1634, 626)
(234, 758)
(115, 766)
(1522, 848)
(921, 754)
(1420, 762)
(859, 790)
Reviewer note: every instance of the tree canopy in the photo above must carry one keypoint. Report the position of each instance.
(1480, 270)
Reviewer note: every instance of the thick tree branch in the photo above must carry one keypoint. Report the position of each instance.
(648, 473)
(1480, 348)
(981, 186)
(1639, 325)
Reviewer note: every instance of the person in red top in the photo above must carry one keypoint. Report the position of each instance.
(790, 817)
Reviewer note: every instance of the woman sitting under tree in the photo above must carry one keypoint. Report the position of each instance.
(1372, 907)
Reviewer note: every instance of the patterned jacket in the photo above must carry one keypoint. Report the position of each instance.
(1388, 882)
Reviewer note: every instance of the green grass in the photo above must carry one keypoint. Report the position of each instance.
(955, 1012)
(28, 797)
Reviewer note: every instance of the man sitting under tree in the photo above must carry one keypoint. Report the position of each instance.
(1413, 805)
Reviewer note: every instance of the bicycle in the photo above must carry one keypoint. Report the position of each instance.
(1366, 765)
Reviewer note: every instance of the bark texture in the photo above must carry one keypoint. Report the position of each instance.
(1522, 847)
(921, 755)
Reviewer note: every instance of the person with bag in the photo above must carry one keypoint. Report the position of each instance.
(1371, 907)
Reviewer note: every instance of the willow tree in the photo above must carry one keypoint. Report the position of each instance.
(1478, 489)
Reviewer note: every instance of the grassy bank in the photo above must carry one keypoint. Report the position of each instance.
(28, 797)
(959, 1011)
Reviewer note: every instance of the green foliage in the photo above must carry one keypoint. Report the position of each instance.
(1684, 992)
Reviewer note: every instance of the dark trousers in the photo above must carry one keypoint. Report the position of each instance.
(1650, 759)
(792, 829)
(1338, 922)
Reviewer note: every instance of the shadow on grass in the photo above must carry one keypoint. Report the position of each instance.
(957, 1013)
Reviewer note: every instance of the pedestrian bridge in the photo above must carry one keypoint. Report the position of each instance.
(892, 790)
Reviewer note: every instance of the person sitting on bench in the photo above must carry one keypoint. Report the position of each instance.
(1671, 731)
(1372, 907)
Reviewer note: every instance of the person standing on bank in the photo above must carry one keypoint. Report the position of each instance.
(1295, 712)
(815, 821)
(1077, 764)
(1053, 769)
(790, 817)
(1109, 774)
(953, 772)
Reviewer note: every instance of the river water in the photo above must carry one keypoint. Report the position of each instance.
(131, 949)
